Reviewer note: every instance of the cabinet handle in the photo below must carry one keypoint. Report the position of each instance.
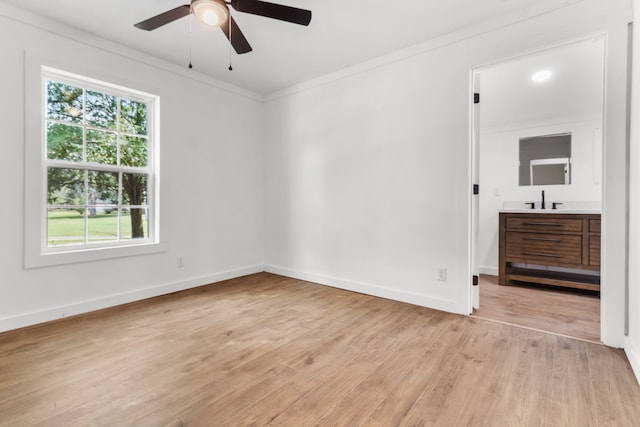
(554, 224)
(542, 239)
(539, 254)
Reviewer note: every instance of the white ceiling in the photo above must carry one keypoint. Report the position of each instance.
(341, 34)
(574, 91)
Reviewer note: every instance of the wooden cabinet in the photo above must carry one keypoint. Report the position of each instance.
(594, 243)
(550, 248)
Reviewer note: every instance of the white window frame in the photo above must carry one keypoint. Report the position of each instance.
(37, 251)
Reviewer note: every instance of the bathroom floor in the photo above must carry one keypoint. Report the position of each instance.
(566, 312)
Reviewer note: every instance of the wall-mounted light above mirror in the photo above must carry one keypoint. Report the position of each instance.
(545, 160)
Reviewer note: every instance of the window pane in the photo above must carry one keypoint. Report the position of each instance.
(133, 117)
(134, 223)
(65, 226)
(134, 189)
(102, 110)
(97, 161)
(64, 142)
(64, 102)
(102, 226)
(133, 151)
(102, 147)
(103, 189)
(65, 186)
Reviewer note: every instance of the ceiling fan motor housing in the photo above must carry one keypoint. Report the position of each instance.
(212, 13)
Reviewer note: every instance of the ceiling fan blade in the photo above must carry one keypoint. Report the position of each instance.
(164, 18)
(237, 39)
(272, 10)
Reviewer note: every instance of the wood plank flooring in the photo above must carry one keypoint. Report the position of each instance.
(574, 313)
(265, 350)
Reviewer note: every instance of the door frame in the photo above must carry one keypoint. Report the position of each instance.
(474, 165)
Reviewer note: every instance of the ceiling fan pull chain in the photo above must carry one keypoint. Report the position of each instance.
(190, 40)
(230, 44)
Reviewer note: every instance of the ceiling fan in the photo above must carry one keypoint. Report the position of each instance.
(215, 13)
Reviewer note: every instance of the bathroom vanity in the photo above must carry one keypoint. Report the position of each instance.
(550, 247)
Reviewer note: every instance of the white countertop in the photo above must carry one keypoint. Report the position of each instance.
(549, 211)
(563, 207)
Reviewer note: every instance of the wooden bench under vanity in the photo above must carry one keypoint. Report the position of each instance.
(550, 248)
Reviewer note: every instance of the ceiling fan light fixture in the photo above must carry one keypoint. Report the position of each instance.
(212, 13)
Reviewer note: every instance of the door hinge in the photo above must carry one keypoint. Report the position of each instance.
(476, 98)
(474, 280)
(476, 189)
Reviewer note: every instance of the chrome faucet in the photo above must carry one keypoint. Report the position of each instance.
(543, 207)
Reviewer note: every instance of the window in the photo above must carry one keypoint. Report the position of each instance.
(98, 164)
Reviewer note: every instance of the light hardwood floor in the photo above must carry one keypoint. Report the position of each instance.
(570, 312)
(268, 350)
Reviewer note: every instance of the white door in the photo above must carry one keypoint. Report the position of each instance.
(475, 199)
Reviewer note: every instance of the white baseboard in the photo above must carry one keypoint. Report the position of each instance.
(490, 271)
(28, 319)
(363, 288)
(33, 318)
(633, 354)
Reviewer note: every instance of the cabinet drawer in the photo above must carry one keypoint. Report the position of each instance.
(594, 226)
(544, 225)
(544, 249)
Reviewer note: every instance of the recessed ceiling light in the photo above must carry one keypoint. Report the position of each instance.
(541, 76)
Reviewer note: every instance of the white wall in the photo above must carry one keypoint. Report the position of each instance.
(368, 176)
(211, 180)
(499, 177)
(632, 343)
(367, 172)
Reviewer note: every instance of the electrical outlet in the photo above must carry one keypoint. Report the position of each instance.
(442, 274)
(180, 262)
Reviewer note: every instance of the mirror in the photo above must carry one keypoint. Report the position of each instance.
(545, 160)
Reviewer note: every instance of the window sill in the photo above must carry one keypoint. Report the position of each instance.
(35, 260)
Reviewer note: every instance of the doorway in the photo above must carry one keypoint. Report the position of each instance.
(551, 92)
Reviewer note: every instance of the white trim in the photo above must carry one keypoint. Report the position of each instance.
(609, 337)
(85, 254)
(39, 66)
(34, 20)
(53, 313)
(612, 299)
(368, 289)
(534, 10)
(633, 354)
(471, 295)
(513, 18)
